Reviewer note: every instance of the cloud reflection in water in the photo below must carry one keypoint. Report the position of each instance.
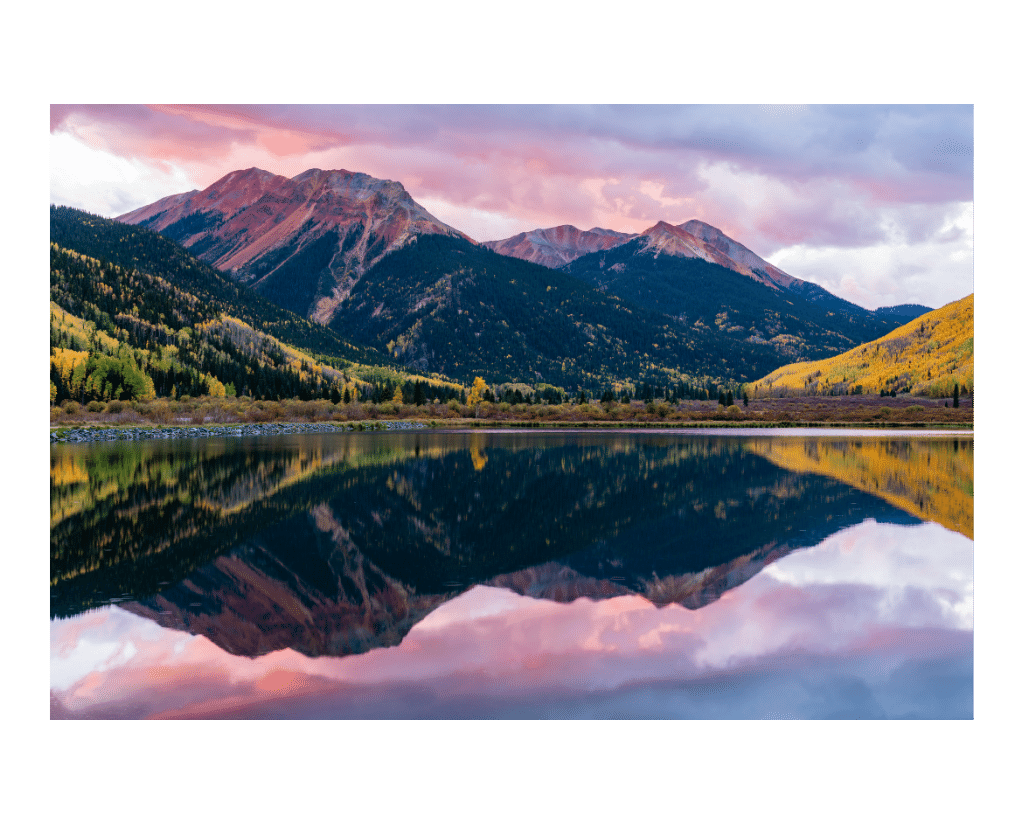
(876, 621)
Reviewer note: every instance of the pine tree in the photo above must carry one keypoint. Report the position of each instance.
(956, 395)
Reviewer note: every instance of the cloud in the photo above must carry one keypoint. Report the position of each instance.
(773, 177)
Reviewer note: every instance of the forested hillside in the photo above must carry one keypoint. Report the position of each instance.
(932, 355)
(729, 306)
(133, 247)
(120, 333)
(445, 305)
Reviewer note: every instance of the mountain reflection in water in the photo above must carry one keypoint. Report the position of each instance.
(337, 545)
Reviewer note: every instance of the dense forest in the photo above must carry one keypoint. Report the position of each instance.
(443, 304)
(135, 248)
(119, 332)
(729, 305)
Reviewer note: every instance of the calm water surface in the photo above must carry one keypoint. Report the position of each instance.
(510, 574)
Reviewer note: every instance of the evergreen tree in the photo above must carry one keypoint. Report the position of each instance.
(956, 395)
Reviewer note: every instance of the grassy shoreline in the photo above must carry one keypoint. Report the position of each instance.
(777, 413)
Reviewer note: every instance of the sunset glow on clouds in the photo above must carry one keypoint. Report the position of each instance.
(872, 618)
(873, 202)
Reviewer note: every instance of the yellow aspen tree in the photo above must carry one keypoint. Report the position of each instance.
(476, 394)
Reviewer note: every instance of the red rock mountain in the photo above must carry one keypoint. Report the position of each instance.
(744, 261)
(694, 239)
(303, 241)
(557, 246)
(665, 239)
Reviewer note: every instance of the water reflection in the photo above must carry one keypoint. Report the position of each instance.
(314, 548)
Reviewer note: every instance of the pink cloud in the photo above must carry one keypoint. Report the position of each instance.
(850, 177)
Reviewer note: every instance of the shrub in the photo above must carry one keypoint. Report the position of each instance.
(734, 411)
(305, 409)
(96, 406)
(70, 407)
(116, 406)
(160, 413)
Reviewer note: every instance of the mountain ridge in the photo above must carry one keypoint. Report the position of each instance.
(321, 228)
(327, 228)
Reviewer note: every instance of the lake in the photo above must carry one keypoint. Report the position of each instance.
(515, 574)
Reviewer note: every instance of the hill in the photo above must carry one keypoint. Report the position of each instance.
(904, 312)
(446, 305)
(160, 323)
(304, 241)
(924, 357)
(661, 271)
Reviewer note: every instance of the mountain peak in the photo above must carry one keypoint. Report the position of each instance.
(557, 245)
(743, 260)
(663, 228)
(664, 238)
(307, 239)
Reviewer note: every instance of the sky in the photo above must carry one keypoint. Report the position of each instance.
(873, 202)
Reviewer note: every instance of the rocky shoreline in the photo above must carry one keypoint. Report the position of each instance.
(141, 433)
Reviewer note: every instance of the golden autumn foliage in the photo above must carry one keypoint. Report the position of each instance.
(92, 376)
(476, 393)
(932, 480)
(79, 331)
(926, 356)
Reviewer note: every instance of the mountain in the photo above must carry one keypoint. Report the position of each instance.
(360, 256)
(904, 312)
(557, 246)
(303, 242)
(740, 258)
(925, 357)
(693, 239)
(440, 304)
(666, 269)
(443, 304)
(133, 306)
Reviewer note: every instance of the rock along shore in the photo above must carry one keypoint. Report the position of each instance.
(142, 433)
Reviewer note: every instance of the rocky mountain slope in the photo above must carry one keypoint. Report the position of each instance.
(303, 242)
(557, 246)
(666, 269)
(694, 239)
(359, 255)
